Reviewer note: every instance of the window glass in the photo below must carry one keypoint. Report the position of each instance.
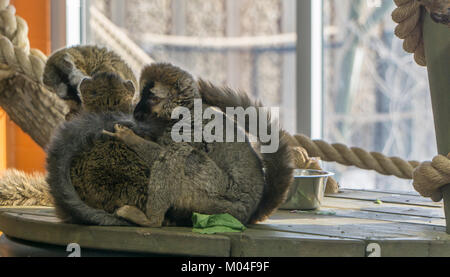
(375, 96)
(245, 44)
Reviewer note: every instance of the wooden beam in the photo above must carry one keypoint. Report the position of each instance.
(437, 51)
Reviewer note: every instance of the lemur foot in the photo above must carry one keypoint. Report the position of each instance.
(134, 215)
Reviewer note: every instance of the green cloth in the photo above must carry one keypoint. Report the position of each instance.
(217, 223)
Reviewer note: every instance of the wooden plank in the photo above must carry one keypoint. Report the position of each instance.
(379, 216)
(31, 210)
(174, 241)
(407, 199)
(413, 248)
(352, 228)
(266, 243)
(389, 208)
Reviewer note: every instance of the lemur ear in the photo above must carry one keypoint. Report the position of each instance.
(130, 86)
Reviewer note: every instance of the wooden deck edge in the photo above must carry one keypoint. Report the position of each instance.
(168, 241)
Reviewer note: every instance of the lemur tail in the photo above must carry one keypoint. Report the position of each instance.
(279, 167)
(69, 138)
(18, 188)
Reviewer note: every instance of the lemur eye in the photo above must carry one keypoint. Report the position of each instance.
(155, 100)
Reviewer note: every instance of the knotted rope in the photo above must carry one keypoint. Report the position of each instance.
(409, 17)
(16, 55)
(15, 49)
(428, 177)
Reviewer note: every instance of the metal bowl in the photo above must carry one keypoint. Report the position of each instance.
(307, 190)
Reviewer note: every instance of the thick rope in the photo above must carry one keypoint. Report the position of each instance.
(15, 47)
(358, 157)
(409, 16)
(428, 177)
(15, 53)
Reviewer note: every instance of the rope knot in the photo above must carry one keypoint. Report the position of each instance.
(15, 49)
(429, 177)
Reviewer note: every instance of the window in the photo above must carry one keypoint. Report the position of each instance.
(363, 89)
(375, 96)
(249, 45)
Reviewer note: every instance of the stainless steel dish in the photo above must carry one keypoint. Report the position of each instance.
(307, 190)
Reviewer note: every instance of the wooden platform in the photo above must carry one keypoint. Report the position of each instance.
(352, 223)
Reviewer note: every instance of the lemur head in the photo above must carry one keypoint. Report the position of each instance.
(107, 92)
(164, 88)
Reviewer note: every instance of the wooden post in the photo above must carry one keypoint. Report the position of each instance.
(437, 51)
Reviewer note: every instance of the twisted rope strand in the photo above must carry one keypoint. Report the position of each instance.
(408, 16)
(358, 157)
(15, 46)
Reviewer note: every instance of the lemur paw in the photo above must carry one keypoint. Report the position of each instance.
(134, 215)
(121, 132)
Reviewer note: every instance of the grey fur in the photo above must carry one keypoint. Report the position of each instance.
(69, 139)
(238, 165)
(279, 166)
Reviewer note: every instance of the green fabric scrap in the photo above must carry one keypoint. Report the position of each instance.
(217, 223)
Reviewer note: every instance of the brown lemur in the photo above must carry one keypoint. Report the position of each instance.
(218, 177)
(66, 68)
(104, 174)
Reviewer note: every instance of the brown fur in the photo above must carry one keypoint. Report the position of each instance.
(66, 68)
(109, 175)
(21, 189)
(107, 92)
